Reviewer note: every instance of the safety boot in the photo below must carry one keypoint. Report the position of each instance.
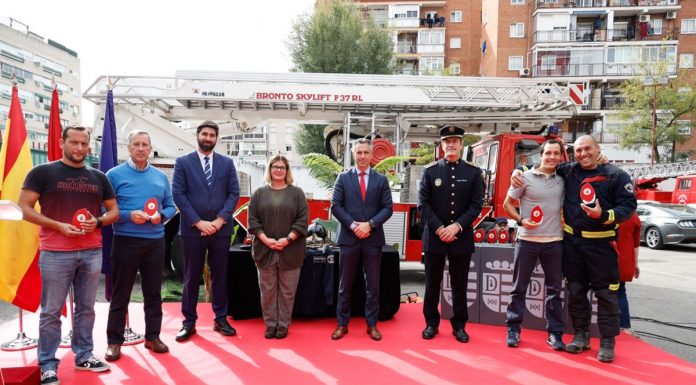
(580, 342)
(606, 349)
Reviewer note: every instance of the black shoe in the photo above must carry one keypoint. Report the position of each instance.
(270, 332)
(513, 338)
(460, 335)
(185, 333)
(580, 342)
(93, 364)
(606, 349)
(556, 341)
(223, 327)
(429, 332)
(281, 333)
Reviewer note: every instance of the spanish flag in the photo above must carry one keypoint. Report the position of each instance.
(20, 280)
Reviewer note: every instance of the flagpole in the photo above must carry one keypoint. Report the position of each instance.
(21, 342)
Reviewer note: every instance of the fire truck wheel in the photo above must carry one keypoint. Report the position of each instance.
(653, 238)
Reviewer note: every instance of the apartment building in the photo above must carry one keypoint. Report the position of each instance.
(35, 62)
(597, 43)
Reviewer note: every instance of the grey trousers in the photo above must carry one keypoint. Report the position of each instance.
(277, 293)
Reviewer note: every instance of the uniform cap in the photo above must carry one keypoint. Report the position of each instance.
(451, 131)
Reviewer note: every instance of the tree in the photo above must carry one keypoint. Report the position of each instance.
(310, 139)
(335, 39)
(676, 101)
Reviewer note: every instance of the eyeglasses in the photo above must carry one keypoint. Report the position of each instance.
(279, 168)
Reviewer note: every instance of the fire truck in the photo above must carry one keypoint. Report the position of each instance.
(647, 180)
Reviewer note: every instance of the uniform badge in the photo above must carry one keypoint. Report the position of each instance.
(438, 182)
(629, 187)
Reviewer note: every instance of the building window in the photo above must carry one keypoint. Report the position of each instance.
(515, 63)
(655, 27)
(517, 1)
(684, 127)
(548, 63)
(455, 42)
(517, 30)
(456, 16)
(688, 26)
(686, 60)
(455, 69)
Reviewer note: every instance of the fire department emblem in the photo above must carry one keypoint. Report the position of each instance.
(438, 182)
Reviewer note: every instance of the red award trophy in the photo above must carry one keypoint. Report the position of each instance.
(150, 207)
(479, 235)
(503, 236)
(537, 215)
(80, 216)
(587, 194)
(492, 236)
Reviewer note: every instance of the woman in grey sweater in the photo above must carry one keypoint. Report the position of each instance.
(278, 216)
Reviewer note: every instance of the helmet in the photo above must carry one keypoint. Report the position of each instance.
(317, 229)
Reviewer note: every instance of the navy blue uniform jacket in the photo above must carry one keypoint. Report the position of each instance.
(449, 193)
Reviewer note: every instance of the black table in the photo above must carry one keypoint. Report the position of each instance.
(317, 290)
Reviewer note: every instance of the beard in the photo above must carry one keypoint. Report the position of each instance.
(74, 159)
(205, 145)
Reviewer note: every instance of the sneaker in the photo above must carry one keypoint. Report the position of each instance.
(556, 341)
(49, 377)
(513, 338)
(93, 364)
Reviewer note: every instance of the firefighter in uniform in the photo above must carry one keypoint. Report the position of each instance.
(450, 198)
(589, 247)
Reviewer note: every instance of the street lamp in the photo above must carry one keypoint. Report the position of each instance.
(654, 81)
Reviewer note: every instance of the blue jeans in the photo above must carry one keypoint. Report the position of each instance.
(625, 318)
(526, 255)
(60, 270)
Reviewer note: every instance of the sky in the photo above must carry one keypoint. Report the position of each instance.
(157, 38)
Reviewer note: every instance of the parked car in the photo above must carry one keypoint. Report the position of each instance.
(663, 224)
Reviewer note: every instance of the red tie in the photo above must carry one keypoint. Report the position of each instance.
(363, 190)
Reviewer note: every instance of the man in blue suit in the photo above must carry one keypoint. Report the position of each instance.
(206, 191)
(362, 203)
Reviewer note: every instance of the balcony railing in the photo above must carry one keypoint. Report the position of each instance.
(404, 22)
(603, 3)
(430, 48)
(406, 47)
(597, 69)
(588, 35)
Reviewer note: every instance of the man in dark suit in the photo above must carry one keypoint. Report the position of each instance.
(362, 203)
(450, 198)
(206, 191)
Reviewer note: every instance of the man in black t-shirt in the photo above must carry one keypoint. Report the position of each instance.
(70, 249)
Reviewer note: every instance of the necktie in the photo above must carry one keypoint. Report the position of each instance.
(363, 190)
(207, 171)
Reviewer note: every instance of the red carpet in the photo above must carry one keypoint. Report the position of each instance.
(309, 356)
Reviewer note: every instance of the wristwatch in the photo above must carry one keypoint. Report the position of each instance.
(289, 238)
(99, 223)
(519, 221)
(371, 223)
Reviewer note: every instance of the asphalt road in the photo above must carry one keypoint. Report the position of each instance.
(664, 293)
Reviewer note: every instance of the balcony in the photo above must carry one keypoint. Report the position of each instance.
(430, 48)
(602, 35)
(604, 3)
(597, 69)
(406, 47)
(404, 22)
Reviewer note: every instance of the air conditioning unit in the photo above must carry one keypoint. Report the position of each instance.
(672, 2)
(644, 18)
(243, 126)
(38, 63)
(524, 72)
(671, 15)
